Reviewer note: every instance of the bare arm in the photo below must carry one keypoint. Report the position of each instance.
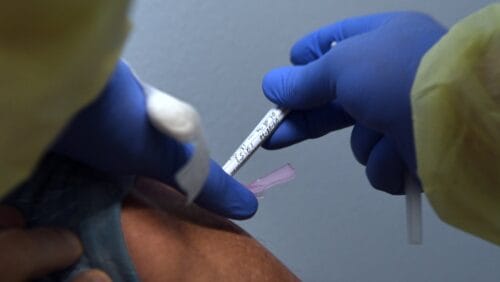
(174, 242)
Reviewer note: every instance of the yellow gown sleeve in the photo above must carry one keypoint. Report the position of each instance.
(55, 56)
(456, 117)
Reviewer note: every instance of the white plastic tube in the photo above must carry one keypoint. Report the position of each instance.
(413, 211)
(258, 135)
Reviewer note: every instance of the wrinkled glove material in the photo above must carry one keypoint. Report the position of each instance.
(456, 118)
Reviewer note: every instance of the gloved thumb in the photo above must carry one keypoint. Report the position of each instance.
(219, 192)
(301, 87)
(226, 196)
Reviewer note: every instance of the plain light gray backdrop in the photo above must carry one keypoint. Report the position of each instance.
(328, 224)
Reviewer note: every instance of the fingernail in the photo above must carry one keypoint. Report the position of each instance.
(94, 275)
(72, 240)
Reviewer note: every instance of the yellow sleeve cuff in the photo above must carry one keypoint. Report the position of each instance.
(456, 117)
(55, 56)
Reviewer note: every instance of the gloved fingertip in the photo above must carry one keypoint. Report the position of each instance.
(290, 131)
(238, 204)
(277, 141)
(269, 144)
(274, 85)
(303, 53)
(362, 142)
(225, 196)
(390, 183)
(245, 207)
(385, 169)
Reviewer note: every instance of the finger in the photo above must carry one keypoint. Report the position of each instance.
(10, 217)
(220, 194)
(336, 73)
(302, 125)
(334, 76)
(93, 275)
(385, 169)
(362, 142)
(29, 254)
(226, 196)
(301, 87)
(163, 157)
(317, 43)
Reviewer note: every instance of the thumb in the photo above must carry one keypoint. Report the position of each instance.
(313, 81)
(226, 196)
(221, 193)
(301, 87)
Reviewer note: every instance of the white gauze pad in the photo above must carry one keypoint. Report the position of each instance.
(180, 120)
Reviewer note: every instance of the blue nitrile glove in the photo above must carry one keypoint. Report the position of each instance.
(114, 134)
(364, 80)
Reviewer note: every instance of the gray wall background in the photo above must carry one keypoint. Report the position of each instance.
(328, 224)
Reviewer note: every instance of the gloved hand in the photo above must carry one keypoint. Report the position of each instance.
(364, 80)
(114, 134)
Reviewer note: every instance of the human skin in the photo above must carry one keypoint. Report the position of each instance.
(169, 241)
(32, 253)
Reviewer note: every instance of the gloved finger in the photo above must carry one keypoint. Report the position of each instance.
(317, 43)
(385, 168)
(225, 196)
(162, 158)
(315, 84)
(93, 275)
(29, 254)
(343, 74)
(362, 142)
(302, 125)
(300, 87)
(220, 194)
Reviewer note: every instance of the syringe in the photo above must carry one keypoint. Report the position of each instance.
(258, 135)
(270, 122)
